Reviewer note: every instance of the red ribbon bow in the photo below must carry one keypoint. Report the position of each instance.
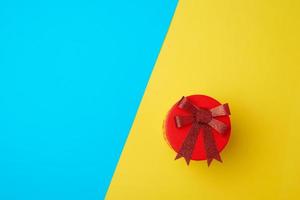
(204, 119)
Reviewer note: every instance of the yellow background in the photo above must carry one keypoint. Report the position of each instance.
(245, 53)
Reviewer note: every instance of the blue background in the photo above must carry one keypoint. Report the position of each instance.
(72, 74)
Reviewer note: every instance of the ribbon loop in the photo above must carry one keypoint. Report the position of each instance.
(185, 104)
(182, 121)
(218, 126)
(220, 110)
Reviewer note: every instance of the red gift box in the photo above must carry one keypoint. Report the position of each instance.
(205, 120)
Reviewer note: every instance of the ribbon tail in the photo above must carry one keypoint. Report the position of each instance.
(210, 145)
(187, 147)
(187, 160)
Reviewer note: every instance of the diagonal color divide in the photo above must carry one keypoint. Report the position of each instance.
(245, 53)
(72, 74)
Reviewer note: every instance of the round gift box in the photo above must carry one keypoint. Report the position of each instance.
(175, 136)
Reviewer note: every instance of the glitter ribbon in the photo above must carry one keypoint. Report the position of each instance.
(204, 119)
